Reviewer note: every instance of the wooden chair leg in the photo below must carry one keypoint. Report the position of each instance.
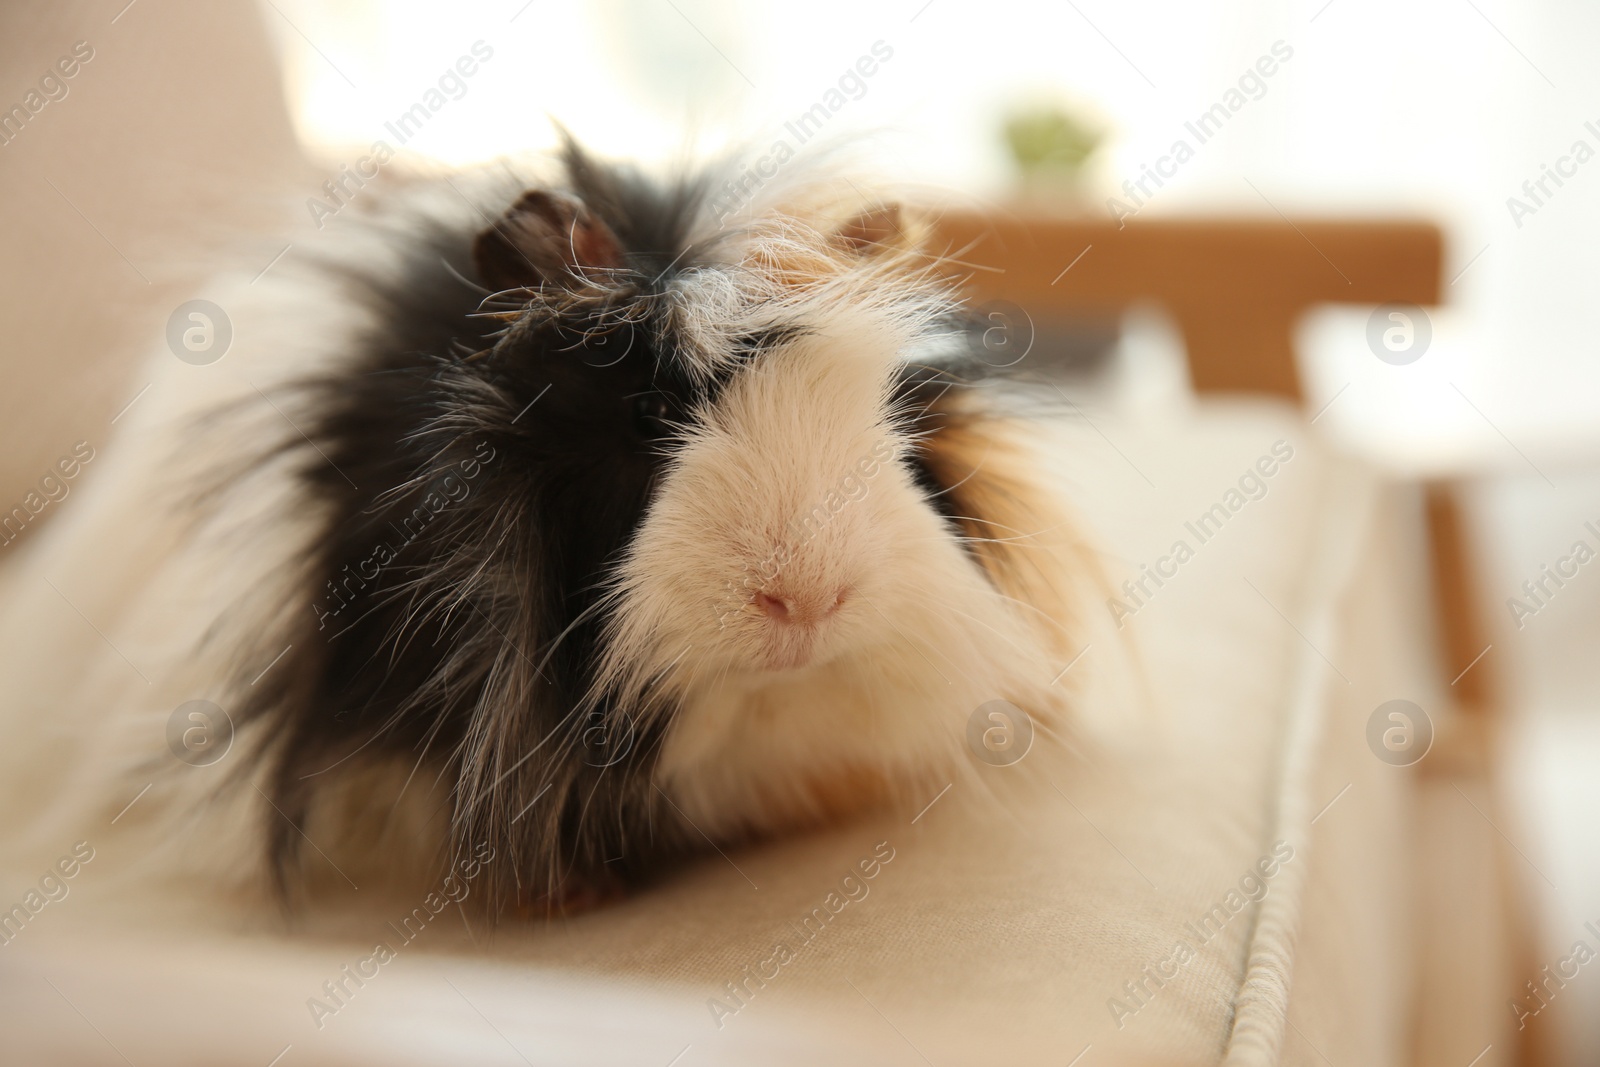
(1476, 684)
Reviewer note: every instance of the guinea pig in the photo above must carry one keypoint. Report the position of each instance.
(638, 531)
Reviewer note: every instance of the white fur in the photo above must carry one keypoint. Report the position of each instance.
(776, 722)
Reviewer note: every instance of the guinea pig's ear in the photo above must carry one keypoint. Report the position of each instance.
(544, 238)
(874, 231)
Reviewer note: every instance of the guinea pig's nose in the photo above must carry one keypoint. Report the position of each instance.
(787, 608)
(776, 608)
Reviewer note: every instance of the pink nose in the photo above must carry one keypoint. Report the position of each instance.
(785, 608)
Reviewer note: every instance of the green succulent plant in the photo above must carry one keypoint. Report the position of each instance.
(1048, 140)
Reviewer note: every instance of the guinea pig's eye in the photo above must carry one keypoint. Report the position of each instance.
(652, 415)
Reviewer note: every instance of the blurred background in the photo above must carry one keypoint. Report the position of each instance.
(1453, 111)
(1436, 109)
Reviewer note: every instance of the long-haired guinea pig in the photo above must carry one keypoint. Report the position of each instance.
(601, 528)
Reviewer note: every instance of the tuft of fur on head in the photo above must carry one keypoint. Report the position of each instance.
(688, 532)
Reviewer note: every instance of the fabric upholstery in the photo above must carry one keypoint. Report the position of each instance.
(1024, 925)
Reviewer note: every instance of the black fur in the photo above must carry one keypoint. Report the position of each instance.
(542, 443)
(479, 481)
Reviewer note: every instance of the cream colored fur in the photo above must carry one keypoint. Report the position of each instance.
(126, 608)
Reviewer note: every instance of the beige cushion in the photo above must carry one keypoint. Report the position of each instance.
(171, 142)
(1216, 723)
(999, 931)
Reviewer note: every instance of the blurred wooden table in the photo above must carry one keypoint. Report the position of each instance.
(1235, 286)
